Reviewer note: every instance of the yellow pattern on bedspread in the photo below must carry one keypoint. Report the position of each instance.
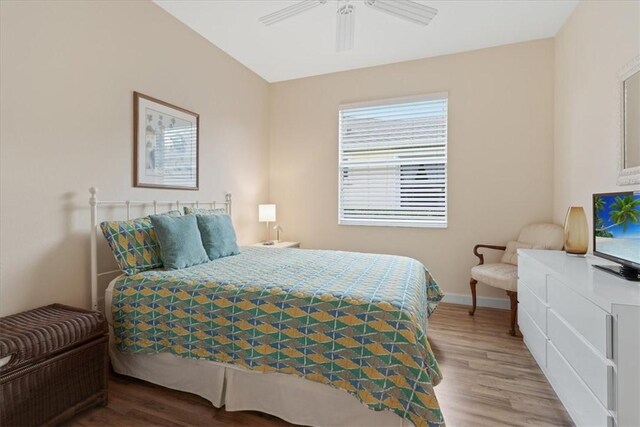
(353, 321)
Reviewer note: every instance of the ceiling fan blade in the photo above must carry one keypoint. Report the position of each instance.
(345, 26)
(290, 11)
(405, 9)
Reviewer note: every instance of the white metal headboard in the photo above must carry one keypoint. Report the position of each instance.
(95, 221)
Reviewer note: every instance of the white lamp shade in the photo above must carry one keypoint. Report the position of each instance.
(266, 213)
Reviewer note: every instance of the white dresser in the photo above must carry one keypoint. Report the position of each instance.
(582, 326)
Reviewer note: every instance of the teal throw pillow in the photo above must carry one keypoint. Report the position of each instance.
(218, 235)
(180, 243)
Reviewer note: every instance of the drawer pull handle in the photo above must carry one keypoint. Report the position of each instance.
(610, 388)
(609, 337)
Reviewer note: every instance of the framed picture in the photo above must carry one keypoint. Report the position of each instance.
(165, 145)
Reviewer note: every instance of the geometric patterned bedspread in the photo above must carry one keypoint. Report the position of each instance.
(354, 321)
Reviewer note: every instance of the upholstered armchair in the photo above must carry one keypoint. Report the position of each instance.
(504, 275)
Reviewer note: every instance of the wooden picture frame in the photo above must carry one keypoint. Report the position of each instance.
(166, 145)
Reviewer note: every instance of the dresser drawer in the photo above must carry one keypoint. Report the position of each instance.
(534, 338)
(535, 308)
(533, 275)
(584, 407)
(589, 365)
(593, 323)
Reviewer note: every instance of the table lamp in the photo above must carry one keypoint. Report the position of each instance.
(267, 213)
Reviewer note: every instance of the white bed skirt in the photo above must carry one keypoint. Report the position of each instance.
(291, 398)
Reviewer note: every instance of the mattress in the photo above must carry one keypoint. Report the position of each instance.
(355, 322)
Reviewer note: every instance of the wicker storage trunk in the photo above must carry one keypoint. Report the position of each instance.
(54, 364)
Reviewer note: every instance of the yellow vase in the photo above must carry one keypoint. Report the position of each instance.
(576, 231)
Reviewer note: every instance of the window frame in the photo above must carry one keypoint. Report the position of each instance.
(394, 223)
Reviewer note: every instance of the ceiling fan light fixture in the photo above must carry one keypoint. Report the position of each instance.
(345, 26)
(405, 9)
(290, 11)
(345, 15)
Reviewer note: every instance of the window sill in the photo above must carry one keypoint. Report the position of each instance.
(407, 224)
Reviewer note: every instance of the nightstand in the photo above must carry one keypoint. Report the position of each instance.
(278, 245)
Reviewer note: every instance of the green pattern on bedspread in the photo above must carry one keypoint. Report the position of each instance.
(353, 321)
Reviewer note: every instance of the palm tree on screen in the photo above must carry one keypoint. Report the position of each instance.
(598, 203)
(601, 227)
(625, 211)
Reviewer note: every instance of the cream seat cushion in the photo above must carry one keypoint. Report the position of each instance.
(510, 255)
(534, 236)
(503, 276)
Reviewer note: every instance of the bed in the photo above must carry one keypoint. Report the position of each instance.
(314, 337)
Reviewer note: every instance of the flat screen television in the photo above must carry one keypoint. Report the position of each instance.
(616, 232)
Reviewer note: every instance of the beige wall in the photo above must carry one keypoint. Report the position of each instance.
(500, 154)
(67, 74)
(598, 40)
(68, 70)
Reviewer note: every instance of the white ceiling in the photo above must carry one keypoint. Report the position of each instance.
(304, 45)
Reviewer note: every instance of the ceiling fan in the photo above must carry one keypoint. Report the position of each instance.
(345, 15)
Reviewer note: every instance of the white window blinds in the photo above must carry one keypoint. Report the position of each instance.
(393, 163)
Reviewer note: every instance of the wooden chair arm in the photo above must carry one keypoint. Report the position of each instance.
(481, 256)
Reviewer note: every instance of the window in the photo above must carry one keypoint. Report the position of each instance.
(393, 163)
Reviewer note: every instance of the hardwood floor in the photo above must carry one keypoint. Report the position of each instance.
(490, 379)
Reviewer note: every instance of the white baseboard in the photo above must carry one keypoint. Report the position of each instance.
(502, 303)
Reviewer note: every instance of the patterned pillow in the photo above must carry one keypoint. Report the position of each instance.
(202, 211)
(134, 243)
